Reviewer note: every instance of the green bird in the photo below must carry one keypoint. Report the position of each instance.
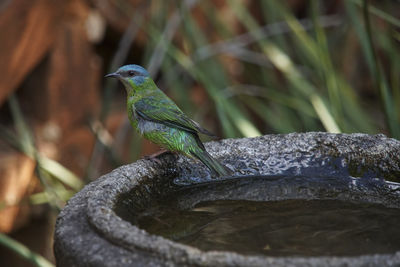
(156, 117)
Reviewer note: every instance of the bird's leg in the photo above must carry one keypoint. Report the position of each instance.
(156, 154)
(153, 157)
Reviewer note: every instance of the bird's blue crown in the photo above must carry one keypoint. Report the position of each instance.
(136, 68)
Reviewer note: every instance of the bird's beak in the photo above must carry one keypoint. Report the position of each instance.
(112, 75)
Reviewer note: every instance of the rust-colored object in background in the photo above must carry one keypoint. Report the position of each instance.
(16, 173)
(49, 62)
(29, 29)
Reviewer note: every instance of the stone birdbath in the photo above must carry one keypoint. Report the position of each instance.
(301, 199)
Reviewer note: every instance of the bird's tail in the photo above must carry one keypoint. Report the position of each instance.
(217, 168)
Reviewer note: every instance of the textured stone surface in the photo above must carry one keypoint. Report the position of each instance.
(89, 233)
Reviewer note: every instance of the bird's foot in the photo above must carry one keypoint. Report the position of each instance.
(153, 157)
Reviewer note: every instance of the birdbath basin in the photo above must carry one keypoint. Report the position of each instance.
(311, 199)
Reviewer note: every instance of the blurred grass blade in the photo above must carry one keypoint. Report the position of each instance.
(380, 80)
(227, 127)
(324, 115)
(380, 13)
(61, 173)
(42, 197)
(23, 251)
(243, 125)
(329, 73)
(24, 136)
(166, 37)
(267, 31)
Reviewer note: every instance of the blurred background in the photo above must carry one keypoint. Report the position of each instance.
(241, 68)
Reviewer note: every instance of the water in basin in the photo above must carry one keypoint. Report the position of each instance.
(281, 228)
(301, 217)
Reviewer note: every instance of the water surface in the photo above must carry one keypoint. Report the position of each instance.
(271, 215)
(280, 228)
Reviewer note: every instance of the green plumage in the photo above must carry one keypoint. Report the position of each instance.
(158, 119)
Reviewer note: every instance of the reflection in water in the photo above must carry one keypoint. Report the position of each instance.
(279, 228)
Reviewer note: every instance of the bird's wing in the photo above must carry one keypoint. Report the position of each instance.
(166, 112)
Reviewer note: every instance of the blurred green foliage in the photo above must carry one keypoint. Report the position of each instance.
(294, 73)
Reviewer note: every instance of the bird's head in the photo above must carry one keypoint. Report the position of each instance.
(132, 76)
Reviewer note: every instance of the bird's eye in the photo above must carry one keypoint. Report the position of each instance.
(131, 73)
